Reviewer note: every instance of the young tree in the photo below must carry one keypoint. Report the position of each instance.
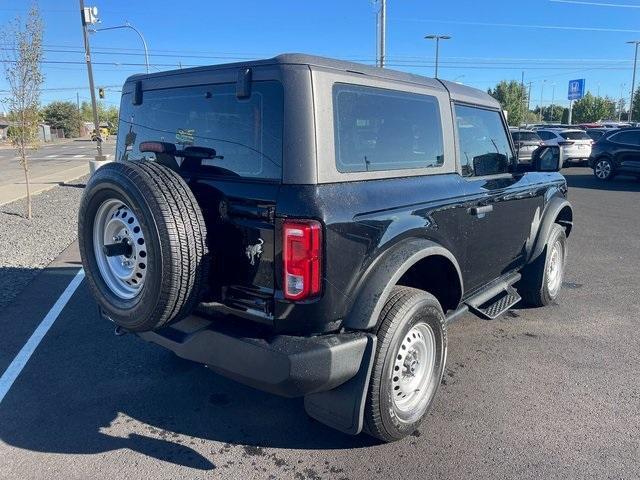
(513, 98)
(23, 54)
(63, 115)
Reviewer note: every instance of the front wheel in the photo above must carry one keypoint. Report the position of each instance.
(542, 279)
(603, 169)
(409, 363)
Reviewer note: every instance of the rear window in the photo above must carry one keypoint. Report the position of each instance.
(245, 133)
(525, 137)
(575, 135)
(377, 129)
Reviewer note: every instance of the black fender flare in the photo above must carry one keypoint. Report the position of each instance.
(383, 274)
(550, 215)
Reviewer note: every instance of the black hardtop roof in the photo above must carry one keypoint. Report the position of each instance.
(457, 91)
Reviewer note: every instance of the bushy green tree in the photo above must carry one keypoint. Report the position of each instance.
(592, 109)
(105, 114)
(636, 108)
(63, 115)
(513, 98)
(550, 113)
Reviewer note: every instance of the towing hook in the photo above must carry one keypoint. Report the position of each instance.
(119, 331)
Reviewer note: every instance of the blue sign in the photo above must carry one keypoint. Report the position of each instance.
(576, 89)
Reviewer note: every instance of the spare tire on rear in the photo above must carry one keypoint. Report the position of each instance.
(142, 240)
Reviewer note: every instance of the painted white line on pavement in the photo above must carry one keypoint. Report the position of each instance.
(78, 156)
(18, 363)
(52, 156)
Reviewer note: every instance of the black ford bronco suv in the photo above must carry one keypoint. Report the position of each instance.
(309, 227)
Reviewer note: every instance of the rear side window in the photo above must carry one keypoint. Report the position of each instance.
(377, 129)
(245, 133)
(575, 135)
(546, 135)
(628, 138)
(525, 137)
(595, 134)
(483, 145)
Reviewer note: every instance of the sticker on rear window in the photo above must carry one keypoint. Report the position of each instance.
(184, 137)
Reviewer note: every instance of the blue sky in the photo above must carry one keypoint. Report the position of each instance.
(552, 41)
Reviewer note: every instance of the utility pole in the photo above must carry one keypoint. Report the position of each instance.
(621, 104)
(523, 116)
(89, 16)
(633, 81)
(553, 98)
(437, 38)
(381, 33)
(529, 97)
(541, 94)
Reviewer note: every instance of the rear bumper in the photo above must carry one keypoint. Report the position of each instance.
(284, 365)
(570, 153)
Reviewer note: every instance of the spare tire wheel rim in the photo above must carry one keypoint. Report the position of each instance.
(115, 224)
(412, 372)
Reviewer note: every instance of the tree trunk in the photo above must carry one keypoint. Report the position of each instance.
(25, 167)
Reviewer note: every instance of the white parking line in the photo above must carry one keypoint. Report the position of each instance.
(18, 363)
(78, 156)
(52, 156)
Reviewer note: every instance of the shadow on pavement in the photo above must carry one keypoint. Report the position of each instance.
(86, 391)
(619, 184)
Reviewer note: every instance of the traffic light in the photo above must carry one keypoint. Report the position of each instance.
(101, 92)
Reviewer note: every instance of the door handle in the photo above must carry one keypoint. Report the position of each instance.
(481, 211)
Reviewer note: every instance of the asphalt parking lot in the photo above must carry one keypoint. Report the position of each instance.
(537, 393)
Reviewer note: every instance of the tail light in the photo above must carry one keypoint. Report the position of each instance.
(564, 144)
(302, 258)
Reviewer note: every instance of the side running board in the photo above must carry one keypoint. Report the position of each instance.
(496, 299)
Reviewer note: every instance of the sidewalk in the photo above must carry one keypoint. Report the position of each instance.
(17, 190)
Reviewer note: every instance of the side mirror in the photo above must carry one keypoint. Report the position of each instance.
(547, 159)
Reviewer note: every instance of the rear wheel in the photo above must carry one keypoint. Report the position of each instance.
(409, 363)
(603, 169)
(142, 240)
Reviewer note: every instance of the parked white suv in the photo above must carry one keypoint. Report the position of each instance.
(574, 144)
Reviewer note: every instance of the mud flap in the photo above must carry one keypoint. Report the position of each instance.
(343, 407)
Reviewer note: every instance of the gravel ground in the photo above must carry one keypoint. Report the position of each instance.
(27, 246)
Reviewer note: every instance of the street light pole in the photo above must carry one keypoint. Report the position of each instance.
(633, 81)
(128, 25)
(89, 16)
(437, 38)
(383, 31)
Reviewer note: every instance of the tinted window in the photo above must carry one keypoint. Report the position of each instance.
(525, 137)
(483, 145)
(544, 135)
(246, 133)
(630, 138)
(595, 134)
(575, 135)
(378, 129)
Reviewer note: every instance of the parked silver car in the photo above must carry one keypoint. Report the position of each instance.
(526, 142)
(574, 144)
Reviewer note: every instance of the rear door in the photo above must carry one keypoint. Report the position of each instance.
(237, 188)
(627, 150)
(499, 204)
